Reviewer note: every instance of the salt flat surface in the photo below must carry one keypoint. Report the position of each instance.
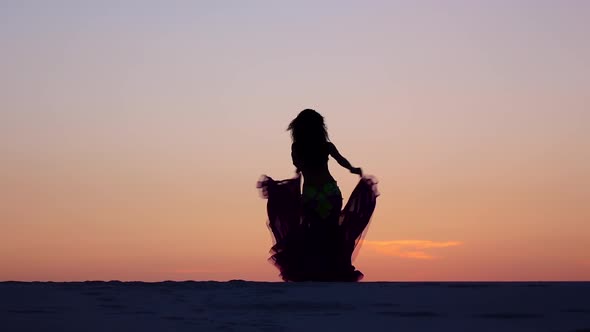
(256, 306)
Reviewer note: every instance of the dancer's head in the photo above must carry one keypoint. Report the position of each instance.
(308, 127)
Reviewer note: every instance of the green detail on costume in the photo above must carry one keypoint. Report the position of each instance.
(321, 196)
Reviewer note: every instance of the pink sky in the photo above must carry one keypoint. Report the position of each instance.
(132, 137)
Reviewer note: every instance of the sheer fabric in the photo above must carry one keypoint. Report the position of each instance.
(314, 237)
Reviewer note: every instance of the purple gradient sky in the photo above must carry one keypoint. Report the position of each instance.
(132, 134)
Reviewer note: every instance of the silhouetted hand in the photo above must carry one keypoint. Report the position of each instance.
(357, 170)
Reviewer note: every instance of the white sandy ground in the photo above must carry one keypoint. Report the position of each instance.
(255, 306)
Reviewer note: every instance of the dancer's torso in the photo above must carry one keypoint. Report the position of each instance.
(313, 163)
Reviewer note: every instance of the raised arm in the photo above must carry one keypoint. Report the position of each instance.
(343, 161)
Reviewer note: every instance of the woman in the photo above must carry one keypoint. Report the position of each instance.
(314, 237)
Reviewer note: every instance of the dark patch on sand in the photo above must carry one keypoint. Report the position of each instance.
(112, 306)
(282, 306)
(31, 311)
(106, 299)
(533, 285)
(422, 284)
(385, 304)
(510, 315)
(576, 311)
(410, 314)
(141, 312)
(93, 293)
(470, 285)
(173, 317)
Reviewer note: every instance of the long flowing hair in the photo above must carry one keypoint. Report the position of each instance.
(308, 128)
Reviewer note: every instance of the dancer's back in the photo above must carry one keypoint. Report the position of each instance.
(312, 161)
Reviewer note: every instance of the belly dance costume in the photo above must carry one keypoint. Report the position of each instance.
(314, 238)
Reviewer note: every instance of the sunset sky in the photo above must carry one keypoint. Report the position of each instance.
(132, 134)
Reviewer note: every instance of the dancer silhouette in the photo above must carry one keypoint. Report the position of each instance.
(314, 237)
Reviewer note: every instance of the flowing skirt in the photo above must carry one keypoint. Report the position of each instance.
(314, 238)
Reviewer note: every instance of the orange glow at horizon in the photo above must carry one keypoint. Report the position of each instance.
(408, 248)
(132, 137)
